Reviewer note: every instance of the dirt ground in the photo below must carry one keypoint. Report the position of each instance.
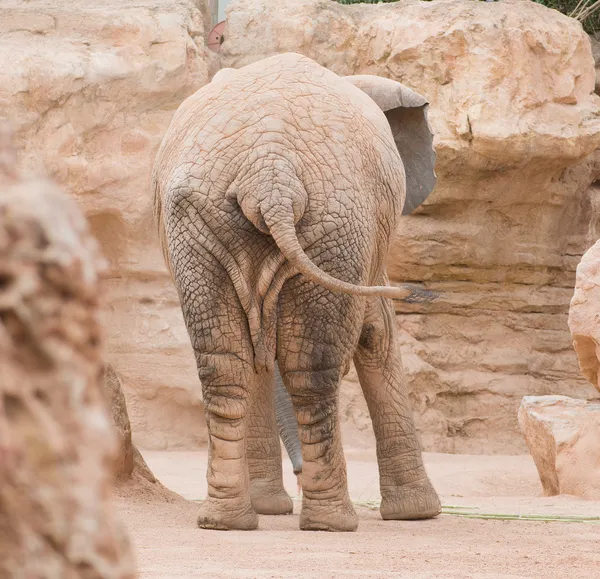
(168, 545)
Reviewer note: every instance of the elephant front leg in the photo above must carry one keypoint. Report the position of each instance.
(264, 452)
(406, 491)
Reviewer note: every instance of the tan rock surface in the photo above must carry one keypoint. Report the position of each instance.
(134, 479)
(516, 124)
(129, 458)
(57, 518)
(563, 436)
(584, 314)
(91, 88)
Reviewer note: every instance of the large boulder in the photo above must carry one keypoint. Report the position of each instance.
(584, 315)
(515, 117)
(563, 436)
(91, 87)
(57, 518)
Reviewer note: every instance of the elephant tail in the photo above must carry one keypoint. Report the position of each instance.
(279, 220)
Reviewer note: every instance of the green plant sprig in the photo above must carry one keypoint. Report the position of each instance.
(470, 513)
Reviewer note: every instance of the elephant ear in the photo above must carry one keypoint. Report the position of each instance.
(406, 112)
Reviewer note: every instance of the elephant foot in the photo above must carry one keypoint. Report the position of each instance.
(324, 516)
(226, 515)
(270, 498)
(416, 500)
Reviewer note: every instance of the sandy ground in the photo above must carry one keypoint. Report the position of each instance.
(168, 545)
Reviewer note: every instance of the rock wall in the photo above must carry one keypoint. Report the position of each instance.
(516, 126)
(90, 88)
(57, 518)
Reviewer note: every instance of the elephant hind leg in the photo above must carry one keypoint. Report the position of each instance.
(406, 490)
(316, 334)
(224, 356)
(264, 451)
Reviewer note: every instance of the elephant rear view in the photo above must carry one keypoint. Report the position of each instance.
(277, 188)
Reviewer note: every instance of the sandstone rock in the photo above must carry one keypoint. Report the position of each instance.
(516, 129)
(128, 457)
(57, 519)
(584, 315)
(134, 479)
(563, 436)
(91, 87)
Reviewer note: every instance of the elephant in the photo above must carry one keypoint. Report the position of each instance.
(277, 188)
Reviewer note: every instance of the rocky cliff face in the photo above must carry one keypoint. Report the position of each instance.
(516, 126)
(90, 88)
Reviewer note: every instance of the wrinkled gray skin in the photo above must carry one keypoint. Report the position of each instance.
(284, 410)
(277, 188)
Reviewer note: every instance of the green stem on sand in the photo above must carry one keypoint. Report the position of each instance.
(468, 513)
